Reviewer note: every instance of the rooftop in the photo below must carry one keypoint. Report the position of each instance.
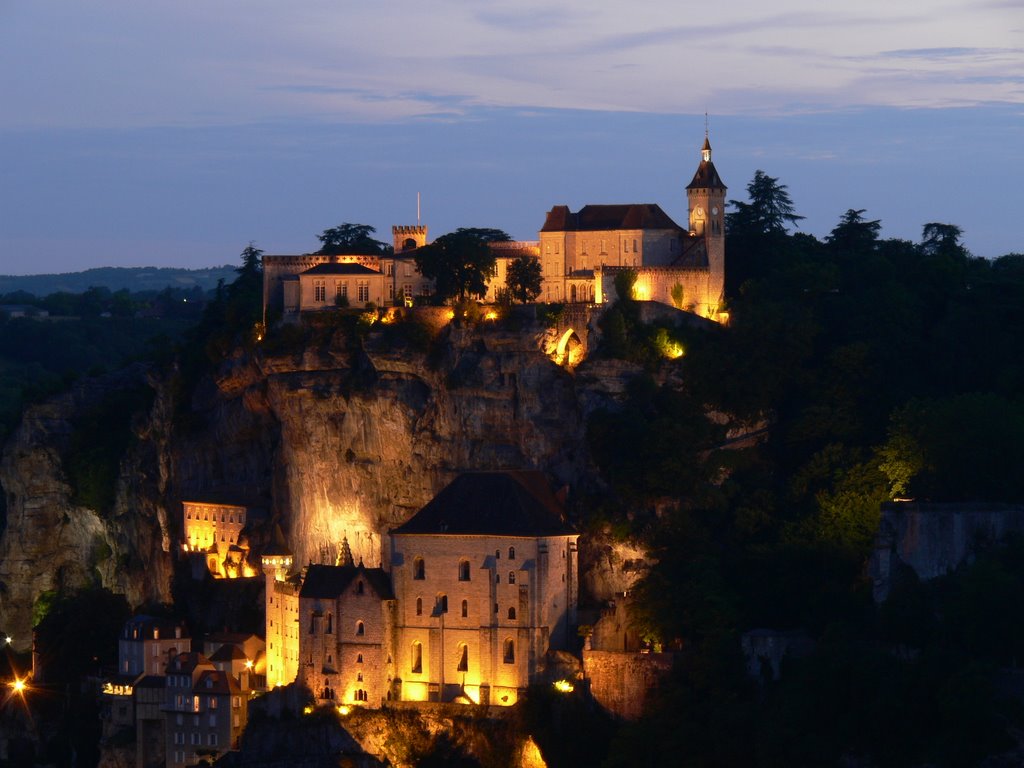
(327, 582)
(511, 503)
(608, 217)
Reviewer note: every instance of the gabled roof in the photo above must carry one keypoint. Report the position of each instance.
(608, 217)
(492, 504)
(228, 652)
(214, 681)
(340, 269)
(327, 582)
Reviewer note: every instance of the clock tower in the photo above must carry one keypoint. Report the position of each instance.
(705, 200)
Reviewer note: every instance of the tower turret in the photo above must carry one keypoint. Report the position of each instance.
(705, 200)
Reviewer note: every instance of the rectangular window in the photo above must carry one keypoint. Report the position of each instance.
(408, 269)
(391, 290)
(194, 739)
(341, 289)
(179, 737)
(364, 290)
(213, 740)
(389, 269)
(213, 721)
(320, 291)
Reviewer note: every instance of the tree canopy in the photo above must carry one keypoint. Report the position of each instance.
(461, 262)
(351, 239)
(524, 278)
(769, 210)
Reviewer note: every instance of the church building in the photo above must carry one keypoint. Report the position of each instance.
(476, 588)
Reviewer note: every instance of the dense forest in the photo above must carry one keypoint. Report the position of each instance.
(879, 369)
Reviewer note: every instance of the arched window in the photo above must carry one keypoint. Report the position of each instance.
(509, 655)
(418, 569)
(359, 587)
(330, 623)
(360, 629)
(512, 614)
(359, 658)
(511, 577)
(465, 608)
(419, 606)
(417, 658)
(511, 553)
(463, 570)
(442, 603)
(359, 677)
(463, 658)
(497, 554)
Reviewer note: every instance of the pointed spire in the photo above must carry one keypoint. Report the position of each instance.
(345, 555)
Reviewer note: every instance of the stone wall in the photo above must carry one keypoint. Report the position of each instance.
(622, 682)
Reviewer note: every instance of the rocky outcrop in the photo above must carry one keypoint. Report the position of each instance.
(933, 539)
(341, 438)
(52, 544)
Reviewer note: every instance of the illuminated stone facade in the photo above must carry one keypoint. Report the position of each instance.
(216, 529)
(477, 587)
(581, 252)
(346, 634)
(282, 616)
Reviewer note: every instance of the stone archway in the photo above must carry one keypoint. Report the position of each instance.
(569, 350)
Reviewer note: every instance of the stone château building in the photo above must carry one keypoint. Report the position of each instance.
(580, 254)
(476, 588)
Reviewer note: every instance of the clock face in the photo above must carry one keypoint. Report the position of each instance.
(714, 211)
(698, 212)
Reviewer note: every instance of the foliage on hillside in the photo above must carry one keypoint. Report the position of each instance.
(880, 368)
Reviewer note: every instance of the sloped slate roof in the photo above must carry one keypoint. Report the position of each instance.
(228, 652)
(219, 682)
(340, 269)
(605, 217)
(492, 504)
(327, 582)
(706, 177)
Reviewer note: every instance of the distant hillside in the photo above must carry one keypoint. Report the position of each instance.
(115, 278)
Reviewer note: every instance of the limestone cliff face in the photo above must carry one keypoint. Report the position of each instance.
(49, 542)
(340, 439)
(368, 437)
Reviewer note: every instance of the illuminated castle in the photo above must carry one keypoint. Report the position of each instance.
(580, 254)
(477, 587)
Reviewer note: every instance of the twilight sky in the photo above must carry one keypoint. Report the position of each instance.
(173, 133)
